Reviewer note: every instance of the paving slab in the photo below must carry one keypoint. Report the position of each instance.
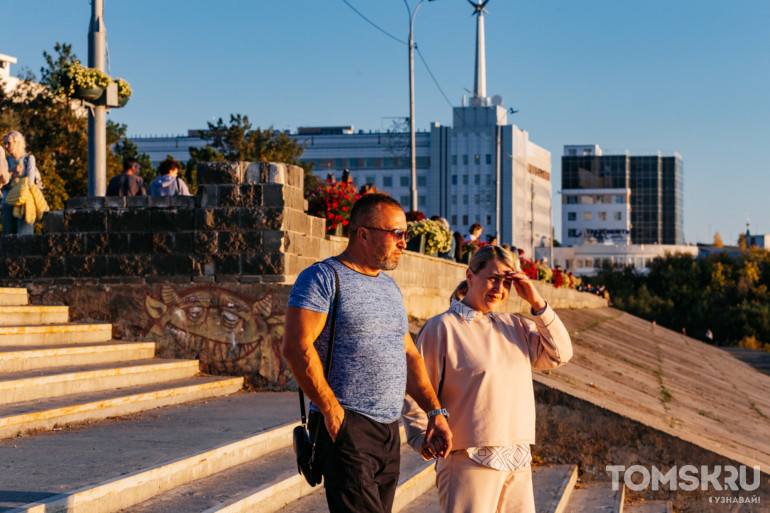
(36, 466)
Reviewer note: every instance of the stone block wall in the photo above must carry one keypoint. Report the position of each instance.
(247, 224)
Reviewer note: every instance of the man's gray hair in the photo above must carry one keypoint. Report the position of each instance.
(16, 135)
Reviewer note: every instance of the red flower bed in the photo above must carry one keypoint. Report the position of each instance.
(333, 202)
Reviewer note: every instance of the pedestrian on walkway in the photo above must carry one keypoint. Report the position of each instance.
(168, 183)
(128, 183)
(374, 361)
(480, 363)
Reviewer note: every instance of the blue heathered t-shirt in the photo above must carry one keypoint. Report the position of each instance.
(368, 372)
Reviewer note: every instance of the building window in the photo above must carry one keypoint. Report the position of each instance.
(454, 220)
(586, 216)
(572, 232)
(601, 216)
(454, 199)
(572, 200)
(404, 181)
(454, 160)
(489, 158)
(421, 201)
(338, 163)
(571, 216)
(465, 179)
(465, 220)
(465, 160)
(370, 179)
(620, 199)
(404, 200)
(423, 162)
(618, 216)
(465, 199)
(422, 181)
(371, 163)
(489, 179)
(454, 179)
(489, 220)
(477, 179)
(476, 199)
(477, 159)
(387, 181)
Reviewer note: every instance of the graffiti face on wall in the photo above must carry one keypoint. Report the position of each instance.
(226, 331)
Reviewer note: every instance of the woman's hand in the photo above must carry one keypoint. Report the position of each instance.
(526, 290)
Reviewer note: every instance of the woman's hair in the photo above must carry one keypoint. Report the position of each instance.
(474, 227)
(487, 253)
(15, 134)
(168, 166)
(460, 291)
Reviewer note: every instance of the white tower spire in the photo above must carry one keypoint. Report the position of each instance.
(480, 78)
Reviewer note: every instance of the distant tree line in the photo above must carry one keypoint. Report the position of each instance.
(725, 296)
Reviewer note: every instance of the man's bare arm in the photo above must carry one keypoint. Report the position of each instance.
(301, 329)
(438, 437)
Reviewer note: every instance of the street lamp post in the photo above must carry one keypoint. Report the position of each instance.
(413, 143)
(97, 117)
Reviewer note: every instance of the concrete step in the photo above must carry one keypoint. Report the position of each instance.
(552, 484)
(54, 334)
(38, 466)
(595, 497)
(33, 315)
(191, 483)
(412, 467)
(649, 507)
(25, 358)
(43, 414)
(61, 381)
(13, 297)
(236, 481)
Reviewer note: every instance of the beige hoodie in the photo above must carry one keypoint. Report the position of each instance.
(483, 369)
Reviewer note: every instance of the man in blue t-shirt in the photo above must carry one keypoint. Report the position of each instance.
(374, 361)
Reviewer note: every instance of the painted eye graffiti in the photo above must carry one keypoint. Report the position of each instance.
(195, 313)
(229, 319)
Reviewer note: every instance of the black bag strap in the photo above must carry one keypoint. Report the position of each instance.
(332, 330)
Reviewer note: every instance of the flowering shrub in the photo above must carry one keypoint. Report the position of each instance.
(73, 76)
(333, 202)
(437, 237)
(124, 88)
(473, 245)
(528, 267)
(544, 273)
(415, 215)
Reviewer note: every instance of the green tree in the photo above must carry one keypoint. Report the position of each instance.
(56, 130)
(238, 140)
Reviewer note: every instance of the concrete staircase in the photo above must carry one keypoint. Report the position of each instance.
(54, 373)
(210, 452)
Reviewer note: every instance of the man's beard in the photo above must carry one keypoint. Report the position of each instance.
(388, 262)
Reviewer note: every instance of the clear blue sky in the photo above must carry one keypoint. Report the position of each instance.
(691, 76)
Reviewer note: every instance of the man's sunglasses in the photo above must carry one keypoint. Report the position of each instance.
(397, 234)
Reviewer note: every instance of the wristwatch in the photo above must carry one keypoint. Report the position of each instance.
(441, 411)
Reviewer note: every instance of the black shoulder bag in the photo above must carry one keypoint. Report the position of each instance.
(307, 461)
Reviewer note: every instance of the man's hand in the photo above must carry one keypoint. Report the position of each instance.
(438, 438)
(333, 421)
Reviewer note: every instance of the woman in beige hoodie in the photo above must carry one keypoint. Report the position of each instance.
(480, 365)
